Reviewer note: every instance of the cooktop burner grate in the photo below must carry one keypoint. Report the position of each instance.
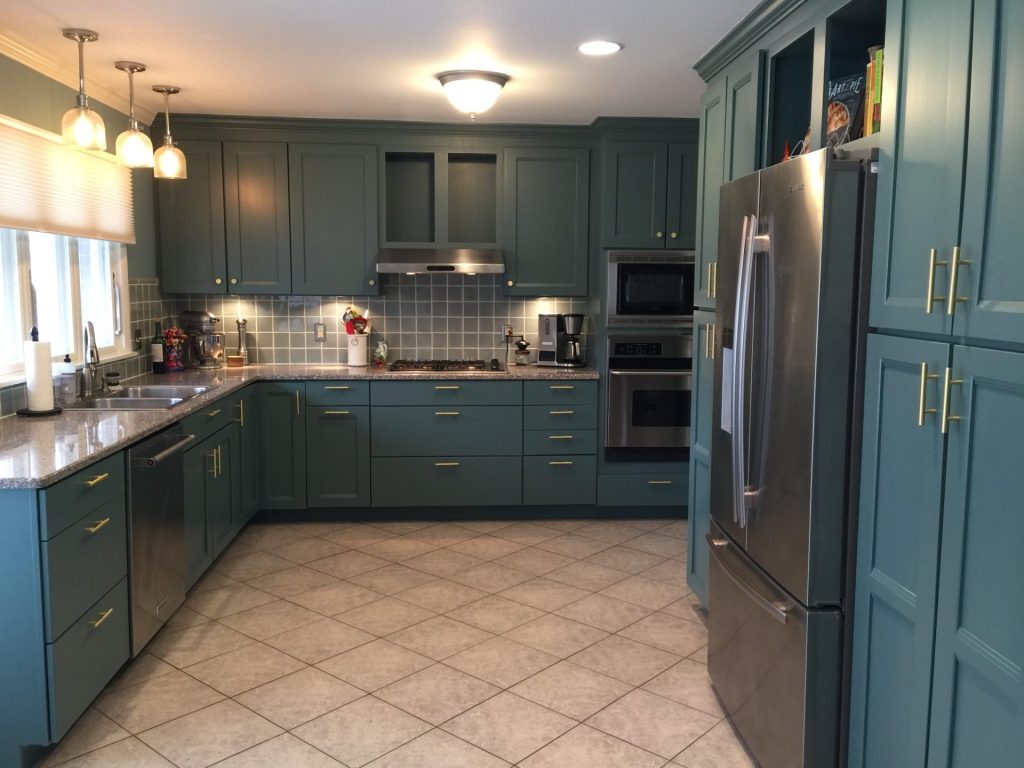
(438, 365)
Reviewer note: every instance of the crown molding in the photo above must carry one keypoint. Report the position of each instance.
(14, 48)
(755, 24)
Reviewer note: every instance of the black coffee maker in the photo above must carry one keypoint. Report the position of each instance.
(559, 337)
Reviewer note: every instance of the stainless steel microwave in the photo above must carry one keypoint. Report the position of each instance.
(650, 288)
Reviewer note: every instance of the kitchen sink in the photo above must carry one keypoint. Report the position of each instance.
(153, 397)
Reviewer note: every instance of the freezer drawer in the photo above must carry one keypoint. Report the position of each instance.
(775, 665)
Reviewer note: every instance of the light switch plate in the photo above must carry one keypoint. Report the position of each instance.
(319, 332)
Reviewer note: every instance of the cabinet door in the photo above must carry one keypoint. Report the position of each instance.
(199, 465)
(921, 158)
(223, 504)
(333, 218)
(546, 200)
(977, 693)
(711, 174)
(993, 283)
(701, 404)
(338, 453)
(681, 196)
(192, 250)
(743, 116)
(282, 445)
(256, 217)
(897, 554)
(247, 416)
(634, 191)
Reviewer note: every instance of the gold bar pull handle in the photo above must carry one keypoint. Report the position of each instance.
(96, 480)
(561, 413)
(707, 341)
(446, 463)
(211, 414)
(220, 461)
(298, 412)
(714, 336)
(922, 397)
(337, 413)
(339, 388)
(954, 269)
(98, 525)
(212, 455)
(659, 482)
(102, 617)
(241, 413)
(446, 386)
(560, 463)
(446, 413)
(562, 386)
(560, 437)
(949, 383)
(712, 279)
(930, 297)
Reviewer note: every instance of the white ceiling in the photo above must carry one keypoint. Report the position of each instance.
(375, 59)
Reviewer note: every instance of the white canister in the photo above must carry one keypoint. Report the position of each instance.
(357, 349)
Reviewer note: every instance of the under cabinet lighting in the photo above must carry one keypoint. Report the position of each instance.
(82, 126)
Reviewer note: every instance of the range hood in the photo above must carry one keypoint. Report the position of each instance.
(429, 261)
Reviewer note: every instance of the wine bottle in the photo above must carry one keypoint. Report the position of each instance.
(156, 350)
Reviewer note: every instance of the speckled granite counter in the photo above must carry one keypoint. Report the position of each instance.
(36, 452)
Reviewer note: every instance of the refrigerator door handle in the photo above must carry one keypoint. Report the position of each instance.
(741, 322)
(765, 335)
(777, 609)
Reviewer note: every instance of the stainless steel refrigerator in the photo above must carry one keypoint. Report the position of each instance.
(789, 320)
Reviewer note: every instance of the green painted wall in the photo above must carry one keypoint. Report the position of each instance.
(33, 98)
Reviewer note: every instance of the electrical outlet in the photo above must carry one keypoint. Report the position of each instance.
(319, 332)
(505, 331)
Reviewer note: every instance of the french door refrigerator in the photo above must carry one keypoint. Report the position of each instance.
(789, 319)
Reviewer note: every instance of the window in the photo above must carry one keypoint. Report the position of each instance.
(57, 284)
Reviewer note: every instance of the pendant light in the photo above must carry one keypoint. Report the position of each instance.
(168, 160)
(472, 91)
(134, 149)
(82, 126)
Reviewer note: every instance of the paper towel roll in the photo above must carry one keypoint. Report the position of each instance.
(38, 376)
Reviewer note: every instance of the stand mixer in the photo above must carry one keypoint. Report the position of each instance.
(204, 348)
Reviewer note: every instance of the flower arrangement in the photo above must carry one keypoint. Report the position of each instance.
(355, 321)
(174, 341)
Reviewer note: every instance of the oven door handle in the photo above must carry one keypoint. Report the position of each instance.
(684, 374)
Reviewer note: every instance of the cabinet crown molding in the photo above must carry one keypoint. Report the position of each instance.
(741, 37)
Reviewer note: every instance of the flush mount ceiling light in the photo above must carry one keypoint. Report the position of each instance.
(168, 160)
(472, 91)
(82, 126)
(599, 48)
(134, 149)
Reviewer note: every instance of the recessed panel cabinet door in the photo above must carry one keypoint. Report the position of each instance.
(711, 174)
(701, 404)
(333, 218)
(681, 196)
(256, 217)
(921, 160)
(743, 116)
(978, 691)
(634, 194)
(199, 466)
(992, 284)
(897, 553)
(338, 453)
(282, 445)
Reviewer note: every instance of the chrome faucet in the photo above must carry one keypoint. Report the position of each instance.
(92, 361)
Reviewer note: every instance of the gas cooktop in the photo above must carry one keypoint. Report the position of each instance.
(414, 366)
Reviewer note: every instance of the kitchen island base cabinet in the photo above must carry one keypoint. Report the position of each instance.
(338, 456)
(455, 481)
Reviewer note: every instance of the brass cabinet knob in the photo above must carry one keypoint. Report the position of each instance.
(659, 234)
(510, 283)
(217, 281)
(373, 282)
(234, 281)
(673, 235)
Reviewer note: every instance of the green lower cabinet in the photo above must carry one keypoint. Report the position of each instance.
(661, 490)
(559, 479)
(223, 502)
(481, 430)
(212, 500)
(246, 405)
(338, 456)
(452, 481)
(699, 506)
(539, 442)
(282, 445)
(705, 352)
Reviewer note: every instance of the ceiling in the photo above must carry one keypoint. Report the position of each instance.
(376, 59)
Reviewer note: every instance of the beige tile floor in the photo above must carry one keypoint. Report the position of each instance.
(558, 643)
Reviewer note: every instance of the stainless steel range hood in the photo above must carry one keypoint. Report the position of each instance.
(424, 261)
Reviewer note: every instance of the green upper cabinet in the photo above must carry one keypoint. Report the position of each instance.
(333, 198)
(711, 174)
(192, 247)
(649, 195)
(744, 81)
(544, 223)
(256, 217)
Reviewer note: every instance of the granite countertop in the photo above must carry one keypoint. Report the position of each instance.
(37, 452)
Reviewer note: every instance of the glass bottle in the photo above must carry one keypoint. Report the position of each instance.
(156, 349)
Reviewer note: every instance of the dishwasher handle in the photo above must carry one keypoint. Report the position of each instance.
(166, 453)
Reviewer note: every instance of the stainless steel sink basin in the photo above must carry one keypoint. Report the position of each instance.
(146, 397)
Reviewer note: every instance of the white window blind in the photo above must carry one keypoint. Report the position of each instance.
(49, 187)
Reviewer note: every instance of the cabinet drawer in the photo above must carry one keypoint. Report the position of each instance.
(565, 441)
(211, 417)
(559, 479)
(63, 503)
(447, 430)
(558, 417)
(86, 657)
(642, 490)
(447, 392)
(451, 481)
(81, 563)
(557, 392)
(337, 393)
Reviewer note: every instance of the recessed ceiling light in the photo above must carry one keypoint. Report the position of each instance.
(599, 48)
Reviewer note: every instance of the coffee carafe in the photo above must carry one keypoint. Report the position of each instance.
(571, 351)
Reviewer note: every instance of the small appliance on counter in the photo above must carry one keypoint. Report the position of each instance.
(205, 347)
(559, 340)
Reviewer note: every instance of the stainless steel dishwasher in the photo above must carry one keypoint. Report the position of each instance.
(156, 531)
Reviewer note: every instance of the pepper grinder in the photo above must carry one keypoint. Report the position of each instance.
(242, 351)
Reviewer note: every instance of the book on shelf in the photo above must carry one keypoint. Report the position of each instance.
(844, 109)
(873, 97)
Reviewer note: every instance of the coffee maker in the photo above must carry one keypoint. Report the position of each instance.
(205, 347)
(559, 340)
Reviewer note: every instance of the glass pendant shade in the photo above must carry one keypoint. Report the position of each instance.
(81, 126)
(169, 162)
(470, 91)
(134, 149)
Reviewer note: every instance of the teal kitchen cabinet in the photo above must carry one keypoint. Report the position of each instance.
(212, 499)
(649, 195)
(953, 161)
(256, 217)
(191, 213)
(333, 199)
(338, 456)
(743, 115)
(710, 176)
(198, 462)
(938, 639)
(246, 414)
(282, 445)
(705, 352)
(544, 226)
